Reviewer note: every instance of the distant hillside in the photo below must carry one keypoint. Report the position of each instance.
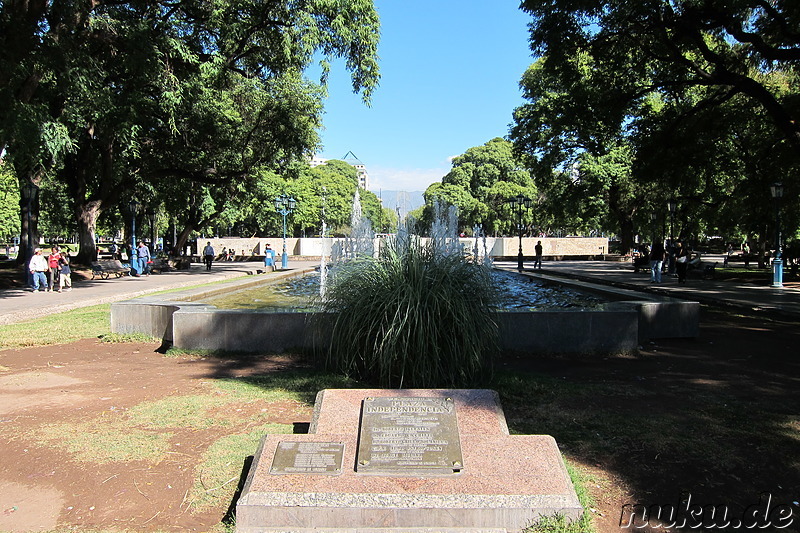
(406, 201)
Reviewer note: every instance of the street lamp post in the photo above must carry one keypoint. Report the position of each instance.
(284, 205)
(776, 189)
(151, 216)
(520, 201)
(134, 206)
(672, 206)
(654, 225)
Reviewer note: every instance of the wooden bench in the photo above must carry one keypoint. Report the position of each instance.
(103, 269)
(160, 265)
(703, 270)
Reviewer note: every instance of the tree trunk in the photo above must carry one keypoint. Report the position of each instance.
(86, 216)
(183, 238)
(626, 232)
(28, 217)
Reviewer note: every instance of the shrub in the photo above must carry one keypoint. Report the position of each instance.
(411, 317)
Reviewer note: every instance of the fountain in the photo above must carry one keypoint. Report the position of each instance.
(361, 239)
(300, 293)
(526, 328)
(323, 260)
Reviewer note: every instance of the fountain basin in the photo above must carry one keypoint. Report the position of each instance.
(620, 326)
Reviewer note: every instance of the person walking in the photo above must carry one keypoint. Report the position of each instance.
(37, 267)
(538, 259)
(208, 255)
(269, 258)
(142, 258)
(53, 263)
(657, 254)
(65, 274)
(681, 261)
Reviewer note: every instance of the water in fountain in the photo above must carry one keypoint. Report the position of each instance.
(361, 241)
(362, 238)
(300, 294)
(444, 230)
(323, 261)
(296, 293)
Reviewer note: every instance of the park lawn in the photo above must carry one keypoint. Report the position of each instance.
(704, 417)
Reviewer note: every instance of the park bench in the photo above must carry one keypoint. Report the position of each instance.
(703, 270)
(160, 265)
(104, 268)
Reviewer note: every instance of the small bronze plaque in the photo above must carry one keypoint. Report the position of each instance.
(409, 436)
(308, 458)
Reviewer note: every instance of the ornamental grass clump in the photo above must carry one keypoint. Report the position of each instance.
(413, 317)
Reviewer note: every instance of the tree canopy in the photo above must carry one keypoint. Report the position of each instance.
(480, 183)
(111, 96)
(637, 102)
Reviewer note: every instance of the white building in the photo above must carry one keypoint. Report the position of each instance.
(351, 159)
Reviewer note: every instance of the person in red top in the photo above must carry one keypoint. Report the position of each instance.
(54, 267)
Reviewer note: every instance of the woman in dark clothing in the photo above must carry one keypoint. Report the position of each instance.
(681, 261)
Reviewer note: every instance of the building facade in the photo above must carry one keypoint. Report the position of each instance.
(351, 159)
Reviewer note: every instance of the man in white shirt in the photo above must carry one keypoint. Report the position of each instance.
(38, 267)
(208, 255)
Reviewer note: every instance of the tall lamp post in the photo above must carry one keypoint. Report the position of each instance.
(672, 206)
(520, 201)
(133, 206)
(151, 216)
(284, 204)
(654, 225)
(776, 189)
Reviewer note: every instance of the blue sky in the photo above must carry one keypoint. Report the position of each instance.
(450, 74)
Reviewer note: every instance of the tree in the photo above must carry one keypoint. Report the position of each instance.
(9, 203)
(145, 63)
(654, 76)
(480, 183)
(582, 162)
(659, 46)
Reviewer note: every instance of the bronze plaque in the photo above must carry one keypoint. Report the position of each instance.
(308, 458)
(409, 436)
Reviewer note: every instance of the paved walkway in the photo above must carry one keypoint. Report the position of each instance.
(747, 296)
(19, 305)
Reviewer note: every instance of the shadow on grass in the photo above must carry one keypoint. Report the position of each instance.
(713, 421)
(708, 422)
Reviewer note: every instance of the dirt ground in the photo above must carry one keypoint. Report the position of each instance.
(44, 485)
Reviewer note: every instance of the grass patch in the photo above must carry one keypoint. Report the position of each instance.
(561, 524)
(298, 385)
(190, 411)
(221, 467)
(105, 441)
(61, 328)
(122, 338)
(173, 351)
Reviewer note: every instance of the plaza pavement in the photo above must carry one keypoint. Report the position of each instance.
(17, 305)
(783, 301)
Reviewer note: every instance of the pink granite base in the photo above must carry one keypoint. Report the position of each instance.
(507, 481)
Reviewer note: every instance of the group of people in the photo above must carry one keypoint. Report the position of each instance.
(141, 259)
(661, 259)
(51, 273)
(209, 255)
